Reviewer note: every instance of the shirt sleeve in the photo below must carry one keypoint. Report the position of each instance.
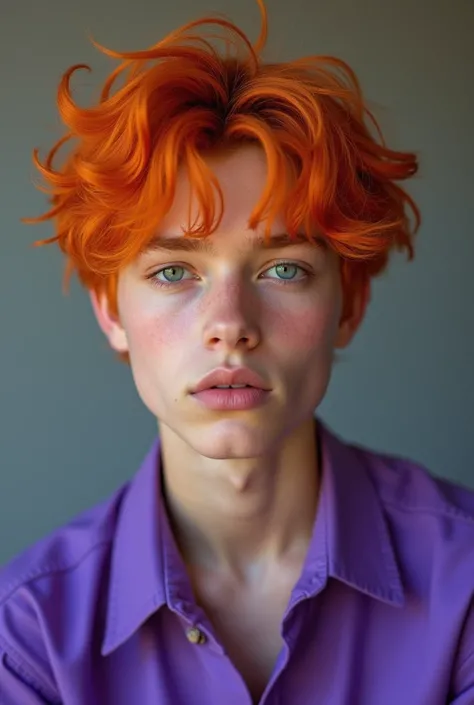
(18, 686)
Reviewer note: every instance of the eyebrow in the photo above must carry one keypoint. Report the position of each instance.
(168, 243)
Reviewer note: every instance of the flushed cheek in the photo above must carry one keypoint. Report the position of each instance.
(307, 329)
(303, 344)
(157, 351)
(156, 330)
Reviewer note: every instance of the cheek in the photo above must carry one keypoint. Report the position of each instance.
(153, 331)
(155, 343)
(309, 328)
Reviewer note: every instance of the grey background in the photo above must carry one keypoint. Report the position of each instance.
(71, 425)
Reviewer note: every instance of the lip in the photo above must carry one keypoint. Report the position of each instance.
(225, 376)
(240, 399)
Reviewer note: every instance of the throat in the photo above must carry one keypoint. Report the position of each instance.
(238, 513)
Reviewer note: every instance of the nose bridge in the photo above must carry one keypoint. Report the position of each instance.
(230, 313)
(229, 296)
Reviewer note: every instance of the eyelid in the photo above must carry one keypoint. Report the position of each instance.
(303, 267)
(152, 277)
(171, 266)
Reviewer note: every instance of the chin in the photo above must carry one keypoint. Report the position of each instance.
(232, 440)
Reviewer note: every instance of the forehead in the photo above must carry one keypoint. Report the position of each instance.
(241, 173)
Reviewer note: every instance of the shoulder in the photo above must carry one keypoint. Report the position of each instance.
(427, 508)
(427, 532)
(62, 577)
(431, 527)
(72, 547)
(427, 521)
(431, 522)
(409, 487)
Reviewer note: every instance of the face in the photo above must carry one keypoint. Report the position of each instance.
(230, 302)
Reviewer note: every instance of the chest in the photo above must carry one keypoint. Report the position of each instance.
(248, 623)
(345, 647)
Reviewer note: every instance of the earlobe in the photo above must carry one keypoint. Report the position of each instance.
(108, 323)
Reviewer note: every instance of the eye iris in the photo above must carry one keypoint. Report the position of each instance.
(173, 274)
(286, 271)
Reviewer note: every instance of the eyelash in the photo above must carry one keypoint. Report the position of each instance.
(165, 285)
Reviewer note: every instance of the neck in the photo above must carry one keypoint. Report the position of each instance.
(237, 515)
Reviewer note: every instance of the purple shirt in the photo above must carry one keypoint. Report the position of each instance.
(102, 613)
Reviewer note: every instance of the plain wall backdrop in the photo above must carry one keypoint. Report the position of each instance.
(72, 427)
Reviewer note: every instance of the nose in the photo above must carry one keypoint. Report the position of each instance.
(230, 320)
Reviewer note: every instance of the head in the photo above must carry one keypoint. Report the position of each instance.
(226, 212)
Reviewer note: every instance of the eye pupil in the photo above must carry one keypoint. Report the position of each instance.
(173, 273)
(286, 271)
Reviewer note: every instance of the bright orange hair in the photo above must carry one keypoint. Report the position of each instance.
(327, 170)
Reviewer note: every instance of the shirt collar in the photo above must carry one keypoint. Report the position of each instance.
(350, 541)
(137, 584)
(358, 547)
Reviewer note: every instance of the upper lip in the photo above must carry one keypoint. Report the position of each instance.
(226, 376)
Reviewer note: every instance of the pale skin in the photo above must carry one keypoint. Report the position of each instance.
(241, 486)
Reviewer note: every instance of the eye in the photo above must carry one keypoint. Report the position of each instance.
(173, 274)
(286, 271)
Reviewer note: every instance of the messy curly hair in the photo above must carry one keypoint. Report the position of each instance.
(162, 108)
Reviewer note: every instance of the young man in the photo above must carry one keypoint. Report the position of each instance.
(227, 217)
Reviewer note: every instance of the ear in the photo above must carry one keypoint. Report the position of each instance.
(353, 315)
(109, 323)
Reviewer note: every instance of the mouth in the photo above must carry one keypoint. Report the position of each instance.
(231, 389)
(231, 386)
(231, 398)
(231, 378)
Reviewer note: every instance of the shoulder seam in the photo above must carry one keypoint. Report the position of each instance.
(444, 510)
(45, 570)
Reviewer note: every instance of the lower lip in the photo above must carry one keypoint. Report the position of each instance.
(232, 399)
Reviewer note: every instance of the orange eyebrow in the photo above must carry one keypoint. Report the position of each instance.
(168, 243)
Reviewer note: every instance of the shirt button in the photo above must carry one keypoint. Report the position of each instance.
(195, 636)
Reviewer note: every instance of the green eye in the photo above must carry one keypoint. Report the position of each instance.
(172, 274)
(285, 271)
(165, 277)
